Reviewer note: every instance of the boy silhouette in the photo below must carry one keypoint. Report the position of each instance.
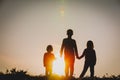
(90, 59)
(69, 48)
(48, 60)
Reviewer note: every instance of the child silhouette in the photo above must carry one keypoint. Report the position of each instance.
(48, 60)
(90, 59)
(69, 48)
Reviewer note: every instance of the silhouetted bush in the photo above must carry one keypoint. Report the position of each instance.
(13, 74)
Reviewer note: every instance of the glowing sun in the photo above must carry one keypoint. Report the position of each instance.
(58, 65)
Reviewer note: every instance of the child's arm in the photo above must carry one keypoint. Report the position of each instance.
(61, 50)
(44, 60)
(76, 50)
(83, 54)
(95, 57)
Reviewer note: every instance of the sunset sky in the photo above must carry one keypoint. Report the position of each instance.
(27, 27)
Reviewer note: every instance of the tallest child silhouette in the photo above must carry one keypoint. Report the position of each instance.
(69, 48)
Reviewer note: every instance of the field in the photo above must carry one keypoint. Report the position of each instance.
(13, 74)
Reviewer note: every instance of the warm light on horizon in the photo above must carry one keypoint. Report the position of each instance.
(58, 65)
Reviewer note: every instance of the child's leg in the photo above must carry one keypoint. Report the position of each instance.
(84, 70)
(46, 71)
(71, 68)
(50, 70)
(91, 70)
(66, 69)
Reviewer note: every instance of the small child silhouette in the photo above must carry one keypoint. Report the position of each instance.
(90, 59)
(48, 60)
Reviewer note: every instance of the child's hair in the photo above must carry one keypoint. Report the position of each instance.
(69, 32)
(90, 44)
(49, 48)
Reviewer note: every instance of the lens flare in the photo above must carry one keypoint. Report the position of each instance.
(58, 65)
(62, 11)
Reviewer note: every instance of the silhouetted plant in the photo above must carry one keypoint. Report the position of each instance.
(14, 71)
(1, 73)
(118, 76)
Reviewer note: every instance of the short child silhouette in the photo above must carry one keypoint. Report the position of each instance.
(48, 60)
(90, 59)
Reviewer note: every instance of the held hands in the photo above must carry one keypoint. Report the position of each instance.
(78, 57)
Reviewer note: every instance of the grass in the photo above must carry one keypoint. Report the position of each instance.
(14, 74)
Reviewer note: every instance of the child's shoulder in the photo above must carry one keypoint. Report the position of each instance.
(46, 53)
(89, 49)
(86, 49)
(49, 53)
(52, 54)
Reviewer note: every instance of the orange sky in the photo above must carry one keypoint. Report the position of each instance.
(27, 27)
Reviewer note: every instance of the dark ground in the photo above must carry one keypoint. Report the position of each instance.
(54, 77)
(14, 74)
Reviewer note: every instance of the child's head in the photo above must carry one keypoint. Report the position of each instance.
(49, 48)
(90, 44)
(69, 32)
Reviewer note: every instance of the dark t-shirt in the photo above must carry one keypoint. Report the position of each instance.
(90, 56)
(69, 48)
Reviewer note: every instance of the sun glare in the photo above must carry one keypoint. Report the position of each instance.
(58, 65)
(62, 11)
